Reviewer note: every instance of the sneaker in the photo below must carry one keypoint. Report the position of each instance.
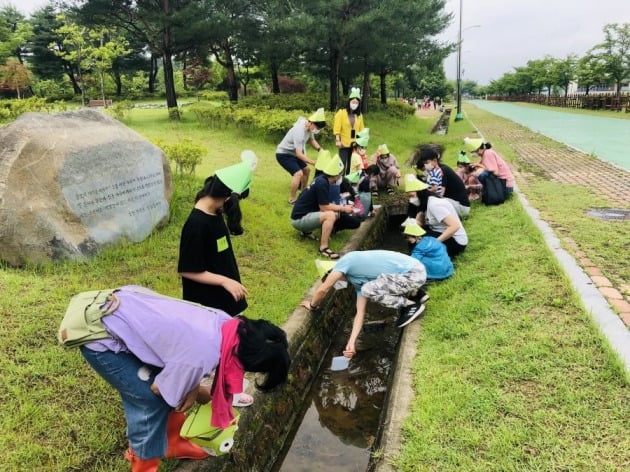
(420, 297)
(408, 314)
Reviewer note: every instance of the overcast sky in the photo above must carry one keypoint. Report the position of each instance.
(509, 32)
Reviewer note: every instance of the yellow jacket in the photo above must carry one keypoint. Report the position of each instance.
(342, 127)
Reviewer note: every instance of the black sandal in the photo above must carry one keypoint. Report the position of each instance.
(374, 193)
(310, 236)
(390, 191)
(326, 252)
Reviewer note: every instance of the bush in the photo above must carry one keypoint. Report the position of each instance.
(289, 85)
(392, 108)
(213, 96)
(185, 154)
(292, 101)
(120, 109)
(11, 109)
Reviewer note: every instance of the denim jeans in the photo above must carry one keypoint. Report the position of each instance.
(146, 413)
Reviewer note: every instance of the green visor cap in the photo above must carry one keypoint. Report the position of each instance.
(363, 141)
(334, 166)
(364, 133)
(472, 144)
(354, 177)
(323, 158)
(237, 177)
(413, 230)
(323, 267)
(412, 184)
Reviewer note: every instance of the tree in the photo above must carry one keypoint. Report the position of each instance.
(563, 72)
(43, 61)
(589, 72)
(167, 27)
(15, 32)
(15, 75)
(74, 43)
(614, 53)
(101, 56)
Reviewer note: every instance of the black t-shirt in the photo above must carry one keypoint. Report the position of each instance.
(316, 194)
(205, 246)
(455, 189)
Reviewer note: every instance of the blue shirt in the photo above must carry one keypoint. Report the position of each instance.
(360, 267)
(432, 253)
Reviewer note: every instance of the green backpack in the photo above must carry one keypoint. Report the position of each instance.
(82, 322)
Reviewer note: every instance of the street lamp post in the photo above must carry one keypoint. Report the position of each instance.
(459, 116)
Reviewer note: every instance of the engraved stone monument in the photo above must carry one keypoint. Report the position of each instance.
(73, 182)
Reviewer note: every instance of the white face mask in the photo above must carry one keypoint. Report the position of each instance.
(361, 151)
(354, 106)
(315, 130)
(415, 201)
(338, 181)
(428, 166)
(340, 284)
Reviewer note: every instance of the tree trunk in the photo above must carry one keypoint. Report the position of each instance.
(73, 80)
(383, 76)
(118, 82)
(345, 87)
(183, 73)
(334, 78)
(365, 93)
(275, 83)
(231, 74)
(153, 73)
(169, 85)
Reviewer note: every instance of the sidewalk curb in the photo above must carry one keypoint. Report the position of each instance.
(604, 317)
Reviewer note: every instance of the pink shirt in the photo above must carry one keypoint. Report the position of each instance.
(495, 164)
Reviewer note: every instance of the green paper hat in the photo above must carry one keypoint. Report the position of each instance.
(354, 177)
(237, 177)
(334, 166)
(323, 158)
(363, 141)
(382, 149)
(364, 133)
(412, 184)
(413, 230)
(463, 158)
(355, 92)
(472, 144)
(317, 116)
(323, 267)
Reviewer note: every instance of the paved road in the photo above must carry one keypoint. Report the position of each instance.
(607, 138)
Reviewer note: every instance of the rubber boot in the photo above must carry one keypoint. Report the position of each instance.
(178, 447)
(139, 465)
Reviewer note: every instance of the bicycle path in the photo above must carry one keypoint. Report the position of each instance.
(606, 138)
(567, 165)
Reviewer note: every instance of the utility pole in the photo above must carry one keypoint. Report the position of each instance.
(459, 116)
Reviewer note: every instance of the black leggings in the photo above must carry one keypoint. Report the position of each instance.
(453, 248)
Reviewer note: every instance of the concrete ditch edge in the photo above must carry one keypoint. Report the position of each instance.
(609, 324)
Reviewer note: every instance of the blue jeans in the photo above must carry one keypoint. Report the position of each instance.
(146, 413)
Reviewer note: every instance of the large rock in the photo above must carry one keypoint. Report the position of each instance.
(73, 182)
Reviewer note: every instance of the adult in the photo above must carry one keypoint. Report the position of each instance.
(348, 123)
(490, 162)
(389, 170)
(314, 208)
(207, 264)
(452, 187)
(438, 217)
(388, 278)
(159, 380)
(291, 152)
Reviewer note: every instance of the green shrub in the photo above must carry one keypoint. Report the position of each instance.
(284, 101)
(214, 96)
(392, 108)
(14, 108)
(120, 109)
(185, 154)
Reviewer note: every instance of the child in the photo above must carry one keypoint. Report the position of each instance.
(363, 188)
(358, 160)
(431, 252)
(466, 173)
(389, 170)
(435, 175)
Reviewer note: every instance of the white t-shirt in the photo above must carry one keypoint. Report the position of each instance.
(295, 138)
(437, 211)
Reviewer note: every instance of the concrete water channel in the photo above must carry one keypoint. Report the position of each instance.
(606, 138)
(324, 420)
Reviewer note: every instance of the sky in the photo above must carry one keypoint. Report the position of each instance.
(499, 35)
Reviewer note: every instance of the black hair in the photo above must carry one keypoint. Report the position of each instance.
(319, 124)
(426, 152)
(232, 210)
(373, 170)
(263, 348)
(486, 146)
(423, 195)
(213, 187)
(346, 187)
(350, 110)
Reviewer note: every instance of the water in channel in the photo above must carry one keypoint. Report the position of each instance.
(343, 410)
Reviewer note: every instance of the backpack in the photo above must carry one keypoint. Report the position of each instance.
(493, 191)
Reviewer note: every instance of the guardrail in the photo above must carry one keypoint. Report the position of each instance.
(603, 101)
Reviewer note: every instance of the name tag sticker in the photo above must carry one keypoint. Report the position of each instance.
(222, 244)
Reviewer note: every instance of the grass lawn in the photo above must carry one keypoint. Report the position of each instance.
(510, 374)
